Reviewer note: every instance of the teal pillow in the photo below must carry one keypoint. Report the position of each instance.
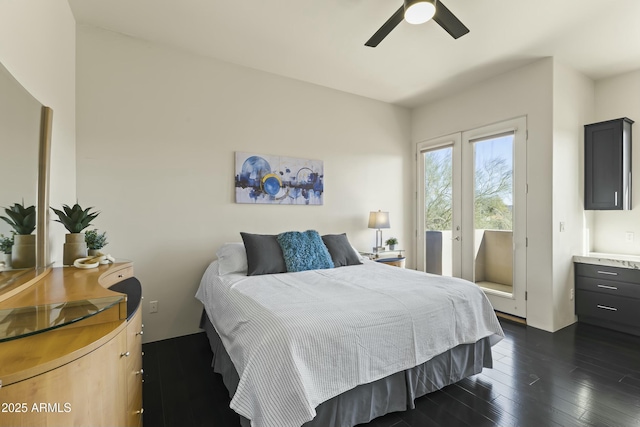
(304, 251)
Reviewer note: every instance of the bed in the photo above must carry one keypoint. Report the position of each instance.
(336, 347)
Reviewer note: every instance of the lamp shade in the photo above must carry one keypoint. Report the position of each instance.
(419, 11)
(379, 220)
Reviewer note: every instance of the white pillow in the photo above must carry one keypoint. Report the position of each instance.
(360, 257)
(232, 258)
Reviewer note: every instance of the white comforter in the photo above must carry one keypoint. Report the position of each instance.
(298, 339)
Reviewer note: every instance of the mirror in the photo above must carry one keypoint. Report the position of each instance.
(25, 130)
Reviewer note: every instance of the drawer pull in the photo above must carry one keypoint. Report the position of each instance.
(140, 333)
(120, 276)
(126, 354)
(140, 411)
(604, 307)
(608, 287)
(610, 273)
(140, 372)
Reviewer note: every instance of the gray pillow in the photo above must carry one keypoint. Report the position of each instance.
(341, 251)
(264, 255)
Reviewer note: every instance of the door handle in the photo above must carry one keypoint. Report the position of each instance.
(456, 238)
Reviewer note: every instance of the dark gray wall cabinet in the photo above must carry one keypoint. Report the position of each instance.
(607, 165)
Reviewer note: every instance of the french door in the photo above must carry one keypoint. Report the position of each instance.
(472, 210)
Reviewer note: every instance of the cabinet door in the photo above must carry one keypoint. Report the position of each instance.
(89, 391)
(608, 165)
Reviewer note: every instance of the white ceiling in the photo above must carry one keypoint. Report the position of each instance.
(322, 41)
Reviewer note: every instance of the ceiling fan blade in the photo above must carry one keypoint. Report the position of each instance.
(447, 20)
(386, 28)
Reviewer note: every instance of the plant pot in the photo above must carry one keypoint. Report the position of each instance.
(23, 254)
(6, 258)
(74, 247)
(93, 252)
(392, 247)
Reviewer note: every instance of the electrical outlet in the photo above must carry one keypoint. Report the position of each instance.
(153, 306)
(562, 226)
(571, 294)
(628, 236)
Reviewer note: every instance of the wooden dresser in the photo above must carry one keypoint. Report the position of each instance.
(71, 350)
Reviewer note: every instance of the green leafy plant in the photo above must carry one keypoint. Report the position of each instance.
(391, 241)
(95, 240)
(75, 219)
(6, 244)
(23, 220)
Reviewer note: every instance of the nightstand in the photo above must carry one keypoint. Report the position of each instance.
(395, 257)
(396, 261)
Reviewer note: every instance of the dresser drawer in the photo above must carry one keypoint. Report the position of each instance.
(608, 273)
(609, 287)
(117, 275)
(608, 307)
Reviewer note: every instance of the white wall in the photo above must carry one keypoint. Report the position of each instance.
(573, 107)
(157, 130)
(618, 97)
(38, 48)
(527, 91)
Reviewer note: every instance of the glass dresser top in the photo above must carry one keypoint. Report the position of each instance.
(20, 322)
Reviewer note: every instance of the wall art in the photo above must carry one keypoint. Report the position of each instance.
(278, 180)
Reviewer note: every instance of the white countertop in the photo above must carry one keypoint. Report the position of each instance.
(611, 260)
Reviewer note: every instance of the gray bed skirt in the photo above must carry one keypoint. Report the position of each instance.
(365, 402)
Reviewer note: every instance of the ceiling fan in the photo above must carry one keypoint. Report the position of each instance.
(418, 12)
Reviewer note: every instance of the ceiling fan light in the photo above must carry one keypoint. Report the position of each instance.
(419, 11)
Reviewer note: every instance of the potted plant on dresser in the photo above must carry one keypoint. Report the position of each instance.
(75, 219)
(6, 245)
(95, 241)
(23, 221)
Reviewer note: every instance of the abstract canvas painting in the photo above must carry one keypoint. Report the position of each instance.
(278, 180)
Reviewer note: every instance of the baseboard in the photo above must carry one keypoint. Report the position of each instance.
(511, 318)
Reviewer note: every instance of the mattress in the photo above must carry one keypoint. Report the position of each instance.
(299, 339)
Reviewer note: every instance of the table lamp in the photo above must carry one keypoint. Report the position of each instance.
(378, 220)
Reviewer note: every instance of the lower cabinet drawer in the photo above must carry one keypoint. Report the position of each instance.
(629, 275)
(608, 307)
(610, 287)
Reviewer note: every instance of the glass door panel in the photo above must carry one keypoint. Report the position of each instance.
(494, 194)
(493, 213)
(439, 199)
(438, 208)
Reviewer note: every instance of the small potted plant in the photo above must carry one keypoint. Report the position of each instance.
(95, 241)
(75, 219)
(23, 221)
(391, 242)
(6, 245)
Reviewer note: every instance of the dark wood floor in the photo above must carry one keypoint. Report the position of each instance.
(580, 376)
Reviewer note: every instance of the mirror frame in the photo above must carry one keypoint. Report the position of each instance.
(44, 165)
(26, 278)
